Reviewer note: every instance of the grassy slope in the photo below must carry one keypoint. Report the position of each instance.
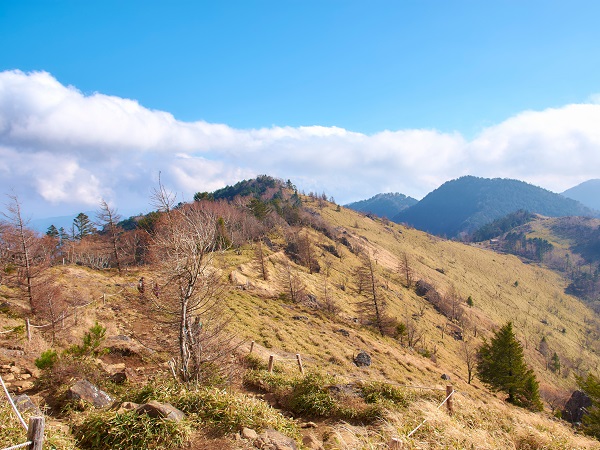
(285, 329)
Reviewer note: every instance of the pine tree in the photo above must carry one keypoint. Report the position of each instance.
(82, 226)
(501, 366)
(591, 420)
(52, 232)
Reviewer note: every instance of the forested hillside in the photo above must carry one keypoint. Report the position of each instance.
(460, 206)
(384, 205)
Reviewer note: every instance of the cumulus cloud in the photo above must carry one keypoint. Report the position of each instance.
(62, 148)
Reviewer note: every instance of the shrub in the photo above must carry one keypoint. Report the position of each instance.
(46, 360)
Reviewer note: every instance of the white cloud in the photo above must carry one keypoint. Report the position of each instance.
(63, 148)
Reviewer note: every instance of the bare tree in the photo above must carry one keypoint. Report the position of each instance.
(296, 290)
(405, 269)
(372, 308)
(191, 290)
(108, 219)
(20, 243)
(468, 352)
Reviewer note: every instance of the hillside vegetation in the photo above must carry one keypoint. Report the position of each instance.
(587, 193)
(298, 275)
(384, 205)
(461, 206)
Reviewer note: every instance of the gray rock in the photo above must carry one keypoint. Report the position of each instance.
(161, 410)
(275, 440)
(24, 404)
(575, 407)
(363, 359)
(84, 390)
(445, 377)
(248, 434)
(311, 442)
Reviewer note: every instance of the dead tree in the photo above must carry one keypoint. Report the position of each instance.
(372, 308)
(191, 290)
(405, 269)
(108, 219)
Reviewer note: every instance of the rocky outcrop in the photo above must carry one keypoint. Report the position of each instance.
(84, 390)
(363, 359)
(576, 406)
(161, 410)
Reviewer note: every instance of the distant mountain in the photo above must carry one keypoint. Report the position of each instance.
(464, 205)
(384, 205)
(587, 193)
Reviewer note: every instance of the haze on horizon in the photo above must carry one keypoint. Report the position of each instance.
(351, 98)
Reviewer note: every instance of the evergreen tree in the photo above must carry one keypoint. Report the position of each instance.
(52, 232)
(501, 366)
(591, 420)
(82, 226)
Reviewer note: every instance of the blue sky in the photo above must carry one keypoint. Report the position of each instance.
(377, 89)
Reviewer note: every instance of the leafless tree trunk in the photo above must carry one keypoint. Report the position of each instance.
(406, 270)
(108, 219)
(372, 309)
(20, 243)
(469, 356)
(191, 290)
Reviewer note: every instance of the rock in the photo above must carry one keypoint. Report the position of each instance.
(343, 332)
(16, 370)
(274, 440)
(308, 425)
(124, 346)
(299, 317)
(24, 404)
(575, 407)
(9, 377)
(84, 390)
(445, 377)
(248, 434)
(126, 407)
(22, 385)
(312, 443)
(162, 410)
(362, 359)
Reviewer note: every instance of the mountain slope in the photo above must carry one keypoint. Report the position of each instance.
(384, 205)
(326, 327)
(587, 193)
(465, 204)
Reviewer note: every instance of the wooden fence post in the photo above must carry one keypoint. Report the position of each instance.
(299, 359)
(449, 391)
(251, 346)
(28, 329)
(35, 433)
(271, 361)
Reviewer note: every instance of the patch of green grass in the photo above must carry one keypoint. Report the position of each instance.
(221, 411)
(110, 430)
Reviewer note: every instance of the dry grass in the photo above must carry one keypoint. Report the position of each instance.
(536, 304)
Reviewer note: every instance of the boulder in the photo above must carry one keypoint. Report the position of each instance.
(248, 434)
(84, 390)
(274, 440)
(576, 406)
(445, 377)
(311, 442)
(24, 404)
(161, 410)
(363, 359)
